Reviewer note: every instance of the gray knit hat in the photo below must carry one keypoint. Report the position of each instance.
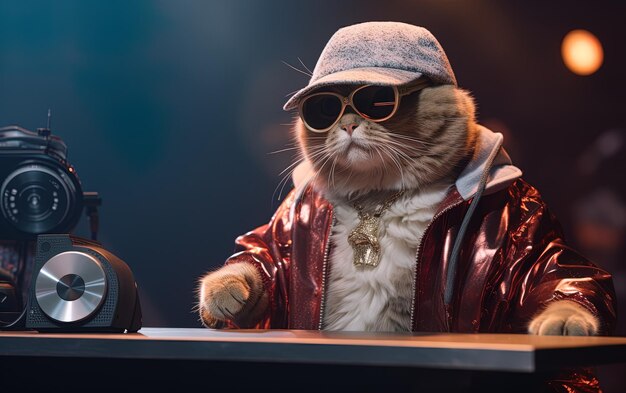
(383, 53)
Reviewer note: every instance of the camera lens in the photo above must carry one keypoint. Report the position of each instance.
(35, 199)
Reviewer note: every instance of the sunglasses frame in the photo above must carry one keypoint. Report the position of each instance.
(398, 91)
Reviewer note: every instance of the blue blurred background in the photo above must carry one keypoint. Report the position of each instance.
(171, 108)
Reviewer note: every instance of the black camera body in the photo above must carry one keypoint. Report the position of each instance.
(39, 191)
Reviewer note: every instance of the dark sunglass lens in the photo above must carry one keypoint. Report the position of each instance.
(321, 111)
(375, 102)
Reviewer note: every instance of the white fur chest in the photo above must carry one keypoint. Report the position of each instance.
(380, 298)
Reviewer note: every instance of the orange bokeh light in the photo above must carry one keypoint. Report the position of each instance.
(582, 52)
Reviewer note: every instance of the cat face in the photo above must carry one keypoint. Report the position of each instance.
(424, 141)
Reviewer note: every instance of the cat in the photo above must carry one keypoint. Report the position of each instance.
(421, 149)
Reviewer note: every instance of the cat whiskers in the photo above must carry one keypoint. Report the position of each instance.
(305, 67)
(309, 74)
(389, 150)
(396, 147)
(382, 160)
(284, 150)
(332, 170)
(397, 153)
(420, 141)
(402, 144)
(332, 153)
(326, 158)
(288, 171)
(300, 157)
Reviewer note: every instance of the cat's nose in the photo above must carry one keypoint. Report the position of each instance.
(349, 128)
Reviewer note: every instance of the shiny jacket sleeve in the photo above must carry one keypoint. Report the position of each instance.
(268, 249)
(542, 268)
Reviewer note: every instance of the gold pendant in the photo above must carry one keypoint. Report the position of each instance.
(364, 241)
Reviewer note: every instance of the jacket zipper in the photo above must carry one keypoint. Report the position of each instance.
(417, 256)
(325, 269)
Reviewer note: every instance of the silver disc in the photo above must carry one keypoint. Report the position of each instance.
(70, 286)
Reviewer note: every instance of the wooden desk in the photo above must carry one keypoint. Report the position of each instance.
(297, 360)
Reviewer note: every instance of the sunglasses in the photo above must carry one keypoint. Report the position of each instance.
(321, 111)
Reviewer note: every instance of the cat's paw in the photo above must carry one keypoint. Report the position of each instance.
(564, 318)
(229, 293)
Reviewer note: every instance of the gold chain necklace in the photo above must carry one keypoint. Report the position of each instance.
(364, 237)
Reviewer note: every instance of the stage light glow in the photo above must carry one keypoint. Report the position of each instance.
(582, 52)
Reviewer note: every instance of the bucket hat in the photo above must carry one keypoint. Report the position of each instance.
(382, 53)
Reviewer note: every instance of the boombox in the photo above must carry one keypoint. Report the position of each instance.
(79, 286)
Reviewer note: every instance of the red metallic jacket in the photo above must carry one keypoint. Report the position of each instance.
(512, 261)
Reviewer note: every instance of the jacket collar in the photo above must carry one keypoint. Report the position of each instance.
(501, 172)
